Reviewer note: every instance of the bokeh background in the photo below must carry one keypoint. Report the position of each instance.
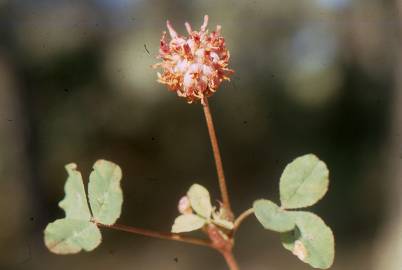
(312, 76)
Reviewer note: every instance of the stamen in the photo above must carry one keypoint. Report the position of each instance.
(188, 27)
(172, 32)
(205, 24)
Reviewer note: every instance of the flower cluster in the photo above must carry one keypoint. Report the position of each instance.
(196, 65)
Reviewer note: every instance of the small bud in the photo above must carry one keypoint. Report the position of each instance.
(184, 205)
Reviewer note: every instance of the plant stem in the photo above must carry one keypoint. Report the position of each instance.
(217, 156)
(224, 249)
(227, 254)
(242, 217)
(230, 260)
(160, 235)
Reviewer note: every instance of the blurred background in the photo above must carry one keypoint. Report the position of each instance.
(312, 76)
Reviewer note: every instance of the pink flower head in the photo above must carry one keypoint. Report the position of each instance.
(196, 65)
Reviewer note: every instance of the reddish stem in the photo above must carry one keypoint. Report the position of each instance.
(223, 249)
(230, 260)
(160, 235)
(217, 156)
(217, 241)
(223, 244)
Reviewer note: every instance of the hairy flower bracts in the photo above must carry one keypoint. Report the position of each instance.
(196, 65)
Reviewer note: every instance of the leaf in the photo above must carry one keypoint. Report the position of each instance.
(312, 241)
(187, 223)
(272, 217)
(303, 182)
(69, 236)
(200, 200)
(75, 203)
(105, 194)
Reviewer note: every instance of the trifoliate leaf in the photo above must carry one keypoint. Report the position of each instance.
(105, 194)
(303, 182)
(69, 236)
(187, 223)
(272, 217)
(200, 200)
(312, 241)
(75, 202)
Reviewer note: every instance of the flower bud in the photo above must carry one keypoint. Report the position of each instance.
(184, 206)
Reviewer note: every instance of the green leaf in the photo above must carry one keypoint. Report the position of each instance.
(272, 217)
(312, 241)
(187, 223)
(303, 182)
(75, 203)
(69, 236)
(200, 200)
(105, 194)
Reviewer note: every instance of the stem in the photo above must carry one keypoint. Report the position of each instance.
(230, 260)
(242, 217)
(224, 249)
(160, 235)
(217, 156)
(227, 254)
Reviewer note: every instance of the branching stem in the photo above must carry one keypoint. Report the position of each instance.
(227, 254)
(226, 248)
(217, 156)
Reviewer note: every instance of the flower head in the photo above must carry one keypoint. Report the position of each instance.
(196, 65)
